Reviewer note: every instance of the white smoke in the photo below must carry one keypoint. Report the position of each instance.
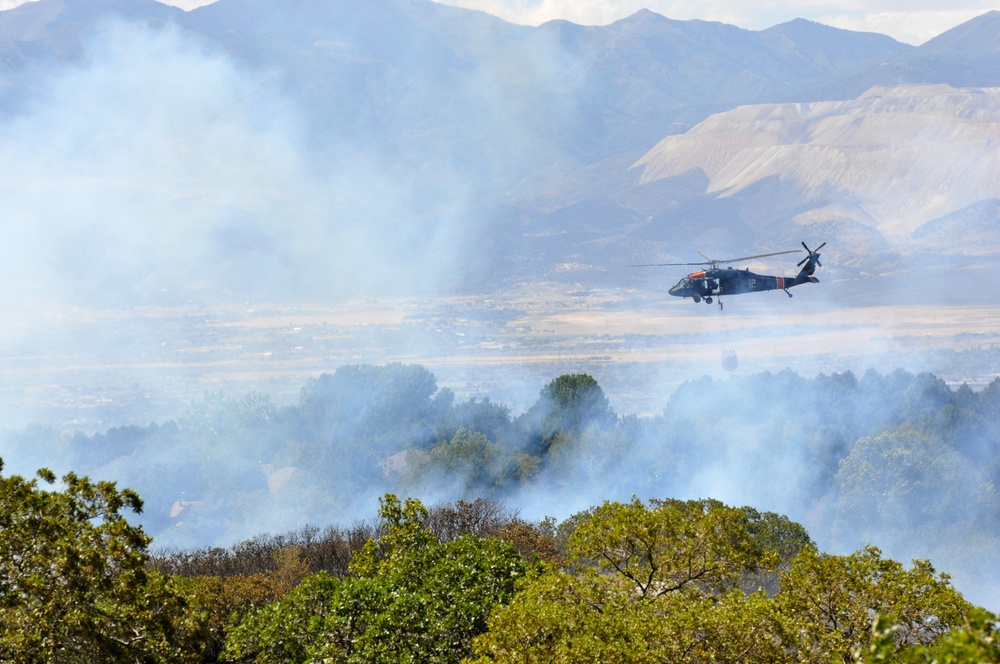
(157, 169)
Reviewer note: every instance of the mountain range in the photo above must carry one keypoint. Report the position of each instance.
(564, 151)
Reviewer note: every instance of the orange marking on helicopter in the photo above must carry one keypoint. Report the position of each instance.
(781, 283)
(696, 275)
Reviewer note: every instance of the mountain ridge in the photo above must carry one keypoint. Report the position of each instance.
(526, 121)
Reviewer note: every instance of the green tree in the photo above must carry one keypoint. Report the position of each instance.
(776, 533)
(592, 617)
(563, 618)
(827, 603)
(648, 584)
(219, 603)
(977, 639)
(487, 417)
(73, 580)
(565, 409)
(290, 629)
(469, 460)
(670, 544)
(385, 406)
(410, 599)
(894, 484)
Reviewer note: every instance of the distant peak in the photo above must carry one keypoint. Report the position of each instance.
(801, 24)
(642, 16)
(978, 35)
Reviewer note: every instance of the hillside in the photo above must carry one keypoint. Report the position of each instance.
(890, 160)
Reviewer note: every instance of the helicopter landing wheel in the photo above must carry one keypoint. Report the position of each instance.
(708, 300)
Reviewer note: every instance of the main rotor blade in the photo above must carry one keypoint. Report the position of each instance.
(667, 264)
(712, 261)
(746, 258)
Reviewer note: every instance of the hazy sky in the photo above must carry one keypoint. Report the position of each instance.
(909, 21)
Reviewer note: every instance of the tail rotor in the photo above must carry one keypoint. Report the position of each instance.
(811, 261)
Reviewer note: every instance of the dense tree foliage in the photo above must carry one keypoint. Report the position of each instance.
(670, 545)
(665, 580)
(566, 409)
(468, 458)
(977, 640)
(409, 598)
(907, 479)
(73, 580)
(899, 460)
(645, 584)
(829, 602)
(656, 583)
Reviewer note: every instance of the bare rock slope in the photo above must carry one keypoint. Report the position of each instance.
(892, 159)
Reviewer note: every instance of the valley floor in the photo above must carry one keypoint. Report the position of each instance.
(91, 369)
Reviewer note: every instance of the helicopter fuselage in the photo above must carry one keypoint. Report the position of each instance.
(715, 282)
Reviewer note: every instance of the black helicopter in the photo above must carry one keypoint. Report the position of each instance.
(716, 281)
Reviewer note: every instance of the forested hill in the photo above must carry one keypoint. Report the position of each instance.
(898, 460)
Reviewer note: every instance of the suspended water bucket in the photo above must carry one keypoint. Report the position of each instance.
(729, 360)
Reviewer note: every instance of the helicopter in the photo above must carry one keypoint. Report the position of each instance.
(715, 281)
